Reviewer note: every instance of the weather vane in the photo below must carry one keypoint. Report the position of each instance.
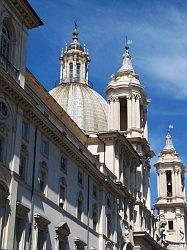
(75, 23)
(127, 42)
(170, 126)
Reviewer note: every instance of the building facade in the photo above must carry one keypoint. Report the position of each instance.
(74, 168)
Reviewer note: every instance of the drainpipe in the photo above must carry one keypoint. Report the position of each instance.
(32, 190)
(88, 212)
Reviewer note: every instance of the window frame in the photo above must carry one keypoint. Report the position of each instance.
(71, 72)
(44, 142)
(25, 137)
(5, 41)
(63, 169)
(80, 176)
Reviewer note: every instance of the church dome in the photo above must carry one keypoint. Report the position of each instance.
(74, 94)
(84, 105)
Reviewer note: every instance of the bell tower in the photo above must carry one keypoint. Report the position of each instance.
(171, 195)
(127, 101)
(127, 113)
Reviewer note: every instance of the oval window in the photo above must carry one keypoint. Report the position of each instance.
(3, 109)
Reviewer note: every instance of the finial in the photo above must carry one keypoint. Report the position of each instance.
(127, 64)
(84, 47)
(62, 51)
(66, 46)
(169, 144)
(75, 32)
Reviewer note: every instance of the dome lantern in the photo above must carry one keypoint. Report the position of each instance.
(74, 61)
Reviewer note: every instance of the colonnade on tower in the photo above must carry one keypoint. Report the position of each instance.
(74, 62)
(127, 101)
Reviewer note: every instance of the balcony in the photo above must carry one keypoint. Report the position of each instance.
(8, 67)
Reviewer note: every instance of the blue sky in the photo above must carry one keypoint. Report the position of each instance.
(159, 52)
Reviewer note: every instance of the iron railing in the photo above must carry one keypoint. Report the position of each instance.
(10, 69)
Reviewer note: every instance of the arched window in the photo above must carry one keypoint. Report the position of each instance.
(78, 72)
(5, 42)
(71, 72)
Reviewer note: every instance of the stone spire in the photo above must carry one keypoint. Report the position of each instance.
(169, 144)
(127, 63)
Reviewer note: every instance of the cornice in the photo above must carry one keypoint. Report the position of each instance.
(115, 135)
(26, 13)
(28, 104)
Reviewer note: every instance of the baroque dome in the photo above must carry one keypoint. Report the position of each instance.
(84, 105)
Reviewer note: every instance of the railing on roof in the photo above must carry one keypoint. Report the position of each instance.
(10, 69)
(75, 80)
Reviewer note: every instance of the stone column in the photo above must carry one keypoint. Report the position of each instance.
(74, 69)
(129, 112)
(61, 71)
(116, 113)
(158, 183)
(177, 184)
(137, 111)
(173, 184)
(133, 112)
(180, 184)
(82, 73)
(67, 71)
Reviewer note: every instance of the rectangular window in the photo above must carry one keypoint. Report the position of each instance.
(1, 149)
(25, 130)
(22, 166)
(62, 196)
(94, 191)
(71, 72)
(63, 164)
(44, 147)
(80, 178)
(170, 225)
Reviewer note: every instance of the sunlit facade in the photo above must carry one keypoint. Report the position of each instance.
(74, 168)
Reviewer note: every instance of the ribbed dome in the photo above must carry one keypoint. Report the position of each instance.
(84, 105)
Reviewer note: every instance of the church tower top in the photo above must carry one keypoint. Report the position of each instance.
(169, 143)
(127, 62)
